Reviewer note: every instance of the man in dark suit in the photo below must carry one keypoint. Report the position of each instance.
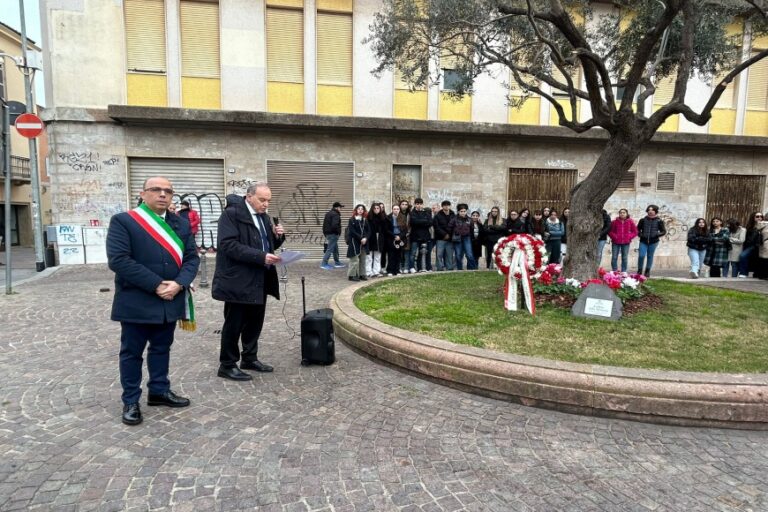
(245, 275)
(154, 258)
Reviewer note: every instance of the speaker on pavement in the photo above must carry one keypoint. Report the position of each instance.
(317, 342)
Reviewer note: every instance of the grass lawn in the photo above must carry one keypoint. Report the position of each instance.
(698, 328)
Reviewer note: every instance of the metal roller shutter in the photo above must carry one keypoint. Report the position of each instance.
(302, 192)
(285, 45)
(145, 35)
(201, 182)
(200, 39)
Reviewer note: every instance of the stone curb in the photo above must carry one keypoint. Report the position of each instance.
(678, 398)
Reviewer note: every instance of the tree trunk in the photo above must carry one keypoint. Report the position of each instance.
(588, 199)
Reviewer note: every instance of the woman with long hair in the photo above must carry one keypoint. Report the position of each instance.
(395, 241)
(538, 224)
(749, 250)
(495, 227)
(525, 216)
(622, 231)
(376, 220)
(738, 235)
(358, 231)
(698, 242)
(717, 252)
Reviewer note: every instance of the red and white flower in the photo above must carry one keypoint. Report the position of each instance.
(535, 251)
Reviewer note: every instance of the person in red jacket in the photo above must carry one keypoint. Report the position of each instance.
(623, 230)
(191, 215)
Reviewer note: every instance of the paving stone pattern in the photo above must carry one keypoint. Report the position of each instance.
(355, 436)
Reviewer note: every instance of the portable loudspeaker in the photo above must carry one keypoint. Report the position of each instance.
(317, 341)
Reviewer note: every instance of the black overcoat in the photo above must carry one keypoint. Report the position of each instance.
(241, 273)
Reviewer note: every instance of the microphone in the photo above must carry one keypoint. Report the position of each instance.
(275, 221)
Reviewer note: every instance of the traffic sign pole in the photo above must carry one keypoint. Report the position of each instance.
(37, 218)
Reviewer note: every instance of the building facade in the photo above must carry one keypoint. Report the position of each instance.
(216, 95)
(12, 89)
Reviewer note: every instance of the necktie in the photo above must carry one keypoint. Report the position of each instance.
(263, 232)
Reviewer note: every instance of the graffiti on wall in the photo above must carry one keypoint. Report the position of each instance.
(209, 206)
(87, 161)
(239, 187)
(475, 200)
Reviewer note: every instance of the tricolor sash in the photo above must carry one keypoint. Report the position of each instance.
(162, 233)
(519, 266)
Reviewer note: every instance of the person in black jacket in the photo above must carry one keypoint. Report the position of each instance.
(445, 260)
(698, 241)
(477, 235)
(516, 225)
(602, 239)
(359, 231)
(245, 275)
(332, 232)
(650, 229)
(376, 220)
(564, 218)
(495, 227)
(749, 250)
(420, 222)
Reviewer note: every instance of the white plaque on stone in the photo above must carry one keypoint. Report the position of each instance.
(598, 307)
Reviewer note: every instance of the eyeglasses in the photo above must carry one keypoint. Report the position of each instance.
(157, 190)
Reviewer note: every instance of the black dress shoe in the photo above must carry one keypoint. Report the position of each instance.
(255, 365)
(354, 278)
(169, 398)
(233, 373)
(363, 278)
(132, 414)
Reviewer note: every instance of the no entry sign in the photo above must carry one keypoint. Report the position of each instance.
(29, 125)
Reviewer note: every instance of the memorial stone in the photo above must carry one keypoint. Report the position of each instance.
(597, 301)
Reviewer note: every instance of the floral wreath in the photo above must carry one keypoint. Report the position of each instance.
(535, 251)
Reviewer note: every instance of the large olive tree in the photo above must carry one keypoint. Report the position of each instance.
(622, 47)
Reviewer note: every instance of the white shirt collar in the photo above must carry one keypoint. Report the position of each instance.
(250, 208)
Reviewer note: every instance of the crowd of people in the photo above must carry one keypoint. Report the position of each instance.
(729, 248)
(405, 240)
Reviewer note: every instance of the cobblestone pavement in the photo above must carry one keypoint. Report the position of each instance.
(354, 436)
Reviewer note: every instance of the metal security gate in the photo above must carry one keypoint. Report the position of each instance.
(201, 182)
(734, 196)
(302, 192)
(537, 188)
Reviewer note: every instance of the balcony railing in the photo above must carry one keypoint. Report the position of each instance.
(20, 170)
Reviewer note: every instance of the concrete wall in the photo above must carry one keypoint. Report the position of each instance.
(85, 52)
(89, 167)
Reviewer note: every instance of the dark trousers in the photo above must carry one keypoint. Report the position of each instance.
(241, 321)
(133, 341)
(488, 254)
(393, 259)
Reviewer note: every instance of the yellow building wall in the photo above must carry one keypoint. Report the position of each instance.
(285, 3)
(147, 90)
(334, 5)
(672, 124)
(756, 123)
(566, 103)
(723, 122)
(450, 110)
(410, 105)
(528, 113)
(334, 100)
(285, 97)
(200, 92)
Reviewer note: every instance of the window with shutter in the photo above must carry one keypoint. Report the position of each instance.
(757, 85)
(628, 181)
(285, 45)
(200, 38)
(334, 48)
(665, 182)
(558, 75)
(665, 88)
(728, 99)
(145, 35)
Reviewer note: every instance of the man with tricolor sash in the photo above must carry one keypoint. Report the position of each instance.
(154, 258)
